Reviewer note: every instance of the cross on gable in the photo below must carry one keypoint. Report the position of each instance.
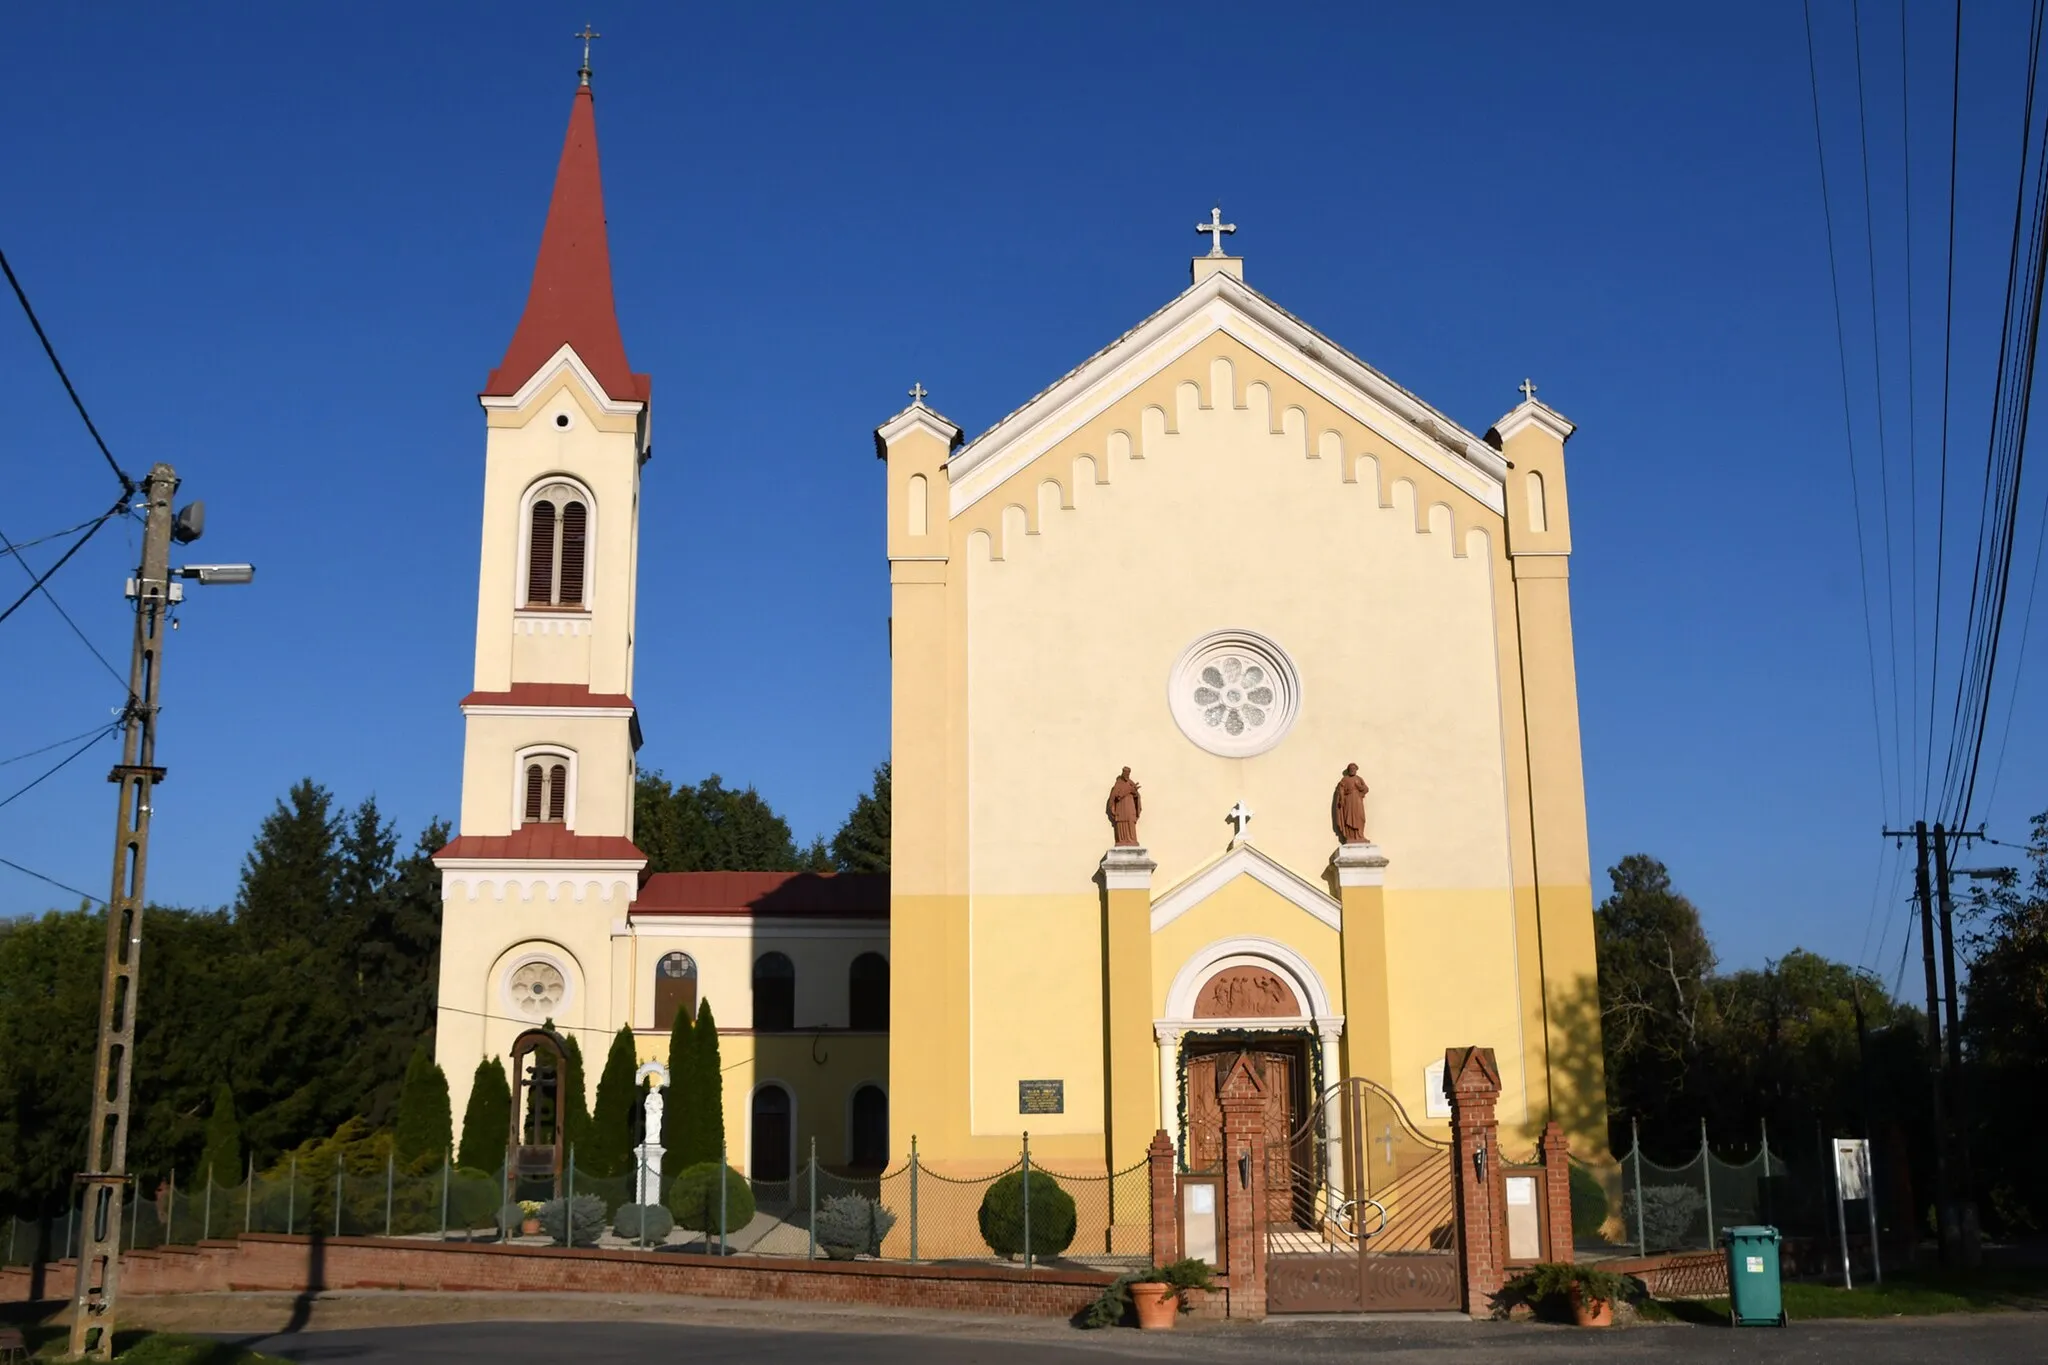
(917, 393)
(1528, 392)
(1216, 227)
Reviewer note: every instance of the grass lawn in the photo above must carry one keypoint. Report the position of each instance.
(50, 1342)
(1908, 1296)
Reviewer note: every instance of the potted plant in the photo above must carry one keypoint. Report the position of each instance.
(529, 1217)
(1589, 1294)
(1157, 1295)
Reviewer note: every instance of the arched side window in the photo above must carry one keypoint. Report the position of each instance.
(773, 1120)
(557, 546)
(774, 993)
(545, 788)
(867, 992)
(1539, 513)
(868, 1143)
(675, 989)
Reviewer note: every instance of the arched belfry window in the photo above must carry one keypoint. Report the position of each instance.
(675, 989)
(774, 993)
(546, 788)
(867, 992)
(557, 546)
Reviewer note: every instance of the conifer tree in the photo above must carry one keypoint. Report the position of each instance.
(704, 1094)
(611, 1122)
(682, 1070)
(862, 843)
(424, 1124)
(288, 881)
(487, 1120)
(223, 1155)
(575, 1116)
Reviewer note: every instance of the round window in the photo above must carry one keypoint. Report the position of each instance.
(1234, 693)
(536, 988)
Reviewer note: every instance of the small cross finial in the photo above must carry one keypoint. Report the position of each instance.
(1528, 392)
(1216, 227)
(583, 72)
(917, 393)
(1241, 816)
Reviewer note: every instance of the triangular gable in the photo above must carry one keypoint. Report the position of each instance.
(1224, 303)
(1247, 861)
(1242, 1081)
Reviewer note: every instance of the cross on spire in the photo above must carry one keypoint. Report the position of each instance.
(1216, 227)
(917, 393)
(1528, 392)
(583, 72)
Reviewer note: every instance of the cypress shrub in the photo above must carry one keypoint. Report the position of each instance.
(223, 1155)
(611, 1123)
(575, 1098)
(487, 1119)
(703, 1097)
(425, 1131)
(682, 1067)
(1002, 1215)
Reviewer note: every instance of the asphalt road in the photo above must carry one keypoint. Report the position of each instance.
(1988, 1339)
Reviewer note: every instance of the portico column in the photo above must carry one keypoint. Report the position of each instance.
(1169, 1037)
(1329, 1032)
(1361, 873)
(1129, 1117)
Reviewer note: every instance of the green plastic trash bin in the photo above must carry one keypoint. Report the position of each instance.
(1754, 1296)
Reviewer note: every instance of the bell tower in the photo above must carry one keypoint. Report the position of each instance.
(544, 863)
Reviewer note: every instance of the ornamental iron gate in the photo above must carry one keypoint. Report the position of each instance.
(1370, 1211)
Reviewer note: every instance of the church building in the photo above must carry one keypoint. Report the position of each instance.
(1234, 708)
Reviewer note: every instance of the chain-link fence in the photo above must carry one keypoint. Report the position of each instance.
(1021, 1213)
(1684, 1207)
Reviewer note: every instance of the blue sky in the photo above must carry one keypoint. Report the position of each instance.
(280, 247)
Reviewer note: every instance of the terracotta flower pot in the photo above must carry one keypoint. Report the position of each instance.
(530, 1228)
(1591, 1312)
(1157, 1304)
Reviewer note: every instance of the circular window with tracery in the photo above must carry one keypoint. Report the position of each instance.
(1235, 693)
(537, 988)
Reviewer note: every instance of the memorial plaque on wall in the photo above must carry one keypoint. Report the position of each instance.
(1041, 1097)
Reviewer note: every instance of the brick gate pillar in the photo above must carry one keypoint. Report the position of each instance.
(1165, 1200)
(1243, 1098)
(1557, 1189)
(1473, 1082)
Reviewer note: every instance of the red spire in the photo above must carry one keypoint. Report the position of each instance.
(571, 300)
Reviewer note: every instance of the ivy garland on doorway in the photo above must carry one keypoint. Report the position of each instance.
(1246, 1035)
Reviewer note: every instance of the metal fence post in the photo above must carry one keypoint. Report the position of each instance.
(447, 1174)
(913, 1198)
(569, 1204)
(639, 1189)
(249, 1195)
(811, 1227)
(291, 1197)
(206, 1219)
(722, 1168)
(134, 1218)
(504, 1199)
(390, 1163)
(1707, 1177)
(337, 1197)
(1635, 1146)
(1026, 1163)
(70, 1214)
(170, 1208)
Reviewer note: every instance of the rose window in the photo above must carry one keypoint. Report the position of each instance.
(1234, 693)
(537, 988)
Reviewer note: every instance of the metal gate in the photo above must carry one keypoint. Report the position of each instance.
(1371, 1218)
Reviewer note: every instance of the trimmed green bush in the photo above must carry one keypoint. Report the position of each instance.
(637, 1222)
(424, 1132)
(693, 1199)
(589, 1220)
(1002, 1215)
(852, 1224)
(510, 1217)
(472, 1198)
(1589, 1204)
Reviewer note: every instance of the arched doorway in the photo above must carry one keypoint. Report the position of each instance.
(769, 1151)
(869, 1141)
(774, 993)
(867, 993)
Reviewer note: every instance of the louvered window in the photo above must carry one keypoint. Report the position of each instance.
(545, 796)
(558, 792)
(534, 782)
(557, 548)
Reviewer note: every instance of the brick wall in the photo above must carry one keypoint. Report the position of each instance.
(276, 1263)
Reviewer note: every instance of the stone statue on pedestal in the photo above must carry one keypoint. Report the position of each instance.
(1123, 808)
(1347, 806)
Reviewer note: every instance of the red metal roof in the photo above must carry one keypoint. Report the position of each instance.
(547, 694)
(542, 842)
(571, 299)
(834, 895)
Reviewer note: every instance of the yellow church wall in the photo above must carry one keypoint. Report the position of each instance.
(490, 770)
(820, 1072)
(725, 951)
(1454, 954)
(1244, 908)
(1037, 1015)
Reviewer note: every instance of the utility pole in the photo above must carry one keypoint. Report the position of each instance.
(1969, 1244)
(105, 1179)
(1944, 1200)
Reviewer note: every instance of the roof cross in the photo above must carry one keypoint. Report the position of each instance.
(1216, 227)
(1528, 392)
(917, 393)
(583, 72)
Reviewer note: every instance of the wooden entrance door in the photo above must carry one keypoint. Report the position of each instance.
(1281, 1065)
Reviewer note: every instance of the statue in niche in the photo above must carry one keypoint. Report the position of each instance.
(1347, 806)
(1123, 808)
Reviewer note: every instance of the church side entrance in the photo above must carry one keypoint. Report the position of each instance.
(1283, 1064)
(1372, 1204)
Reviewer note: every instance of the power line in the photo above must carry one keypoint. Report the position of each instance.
(128, 485)
(61, 886)
(1948, 316)
(53, 744)
(1912, 391)
(16, 547)
(1848, 422)
(60, 764)
(2019, 664)
(83, 639)
(91, 530)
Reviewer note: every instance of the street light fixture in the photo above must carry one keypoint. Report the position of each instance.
(211, 574)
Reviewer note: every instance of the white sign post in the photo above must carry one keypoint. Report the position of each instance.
(1854, 1180)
